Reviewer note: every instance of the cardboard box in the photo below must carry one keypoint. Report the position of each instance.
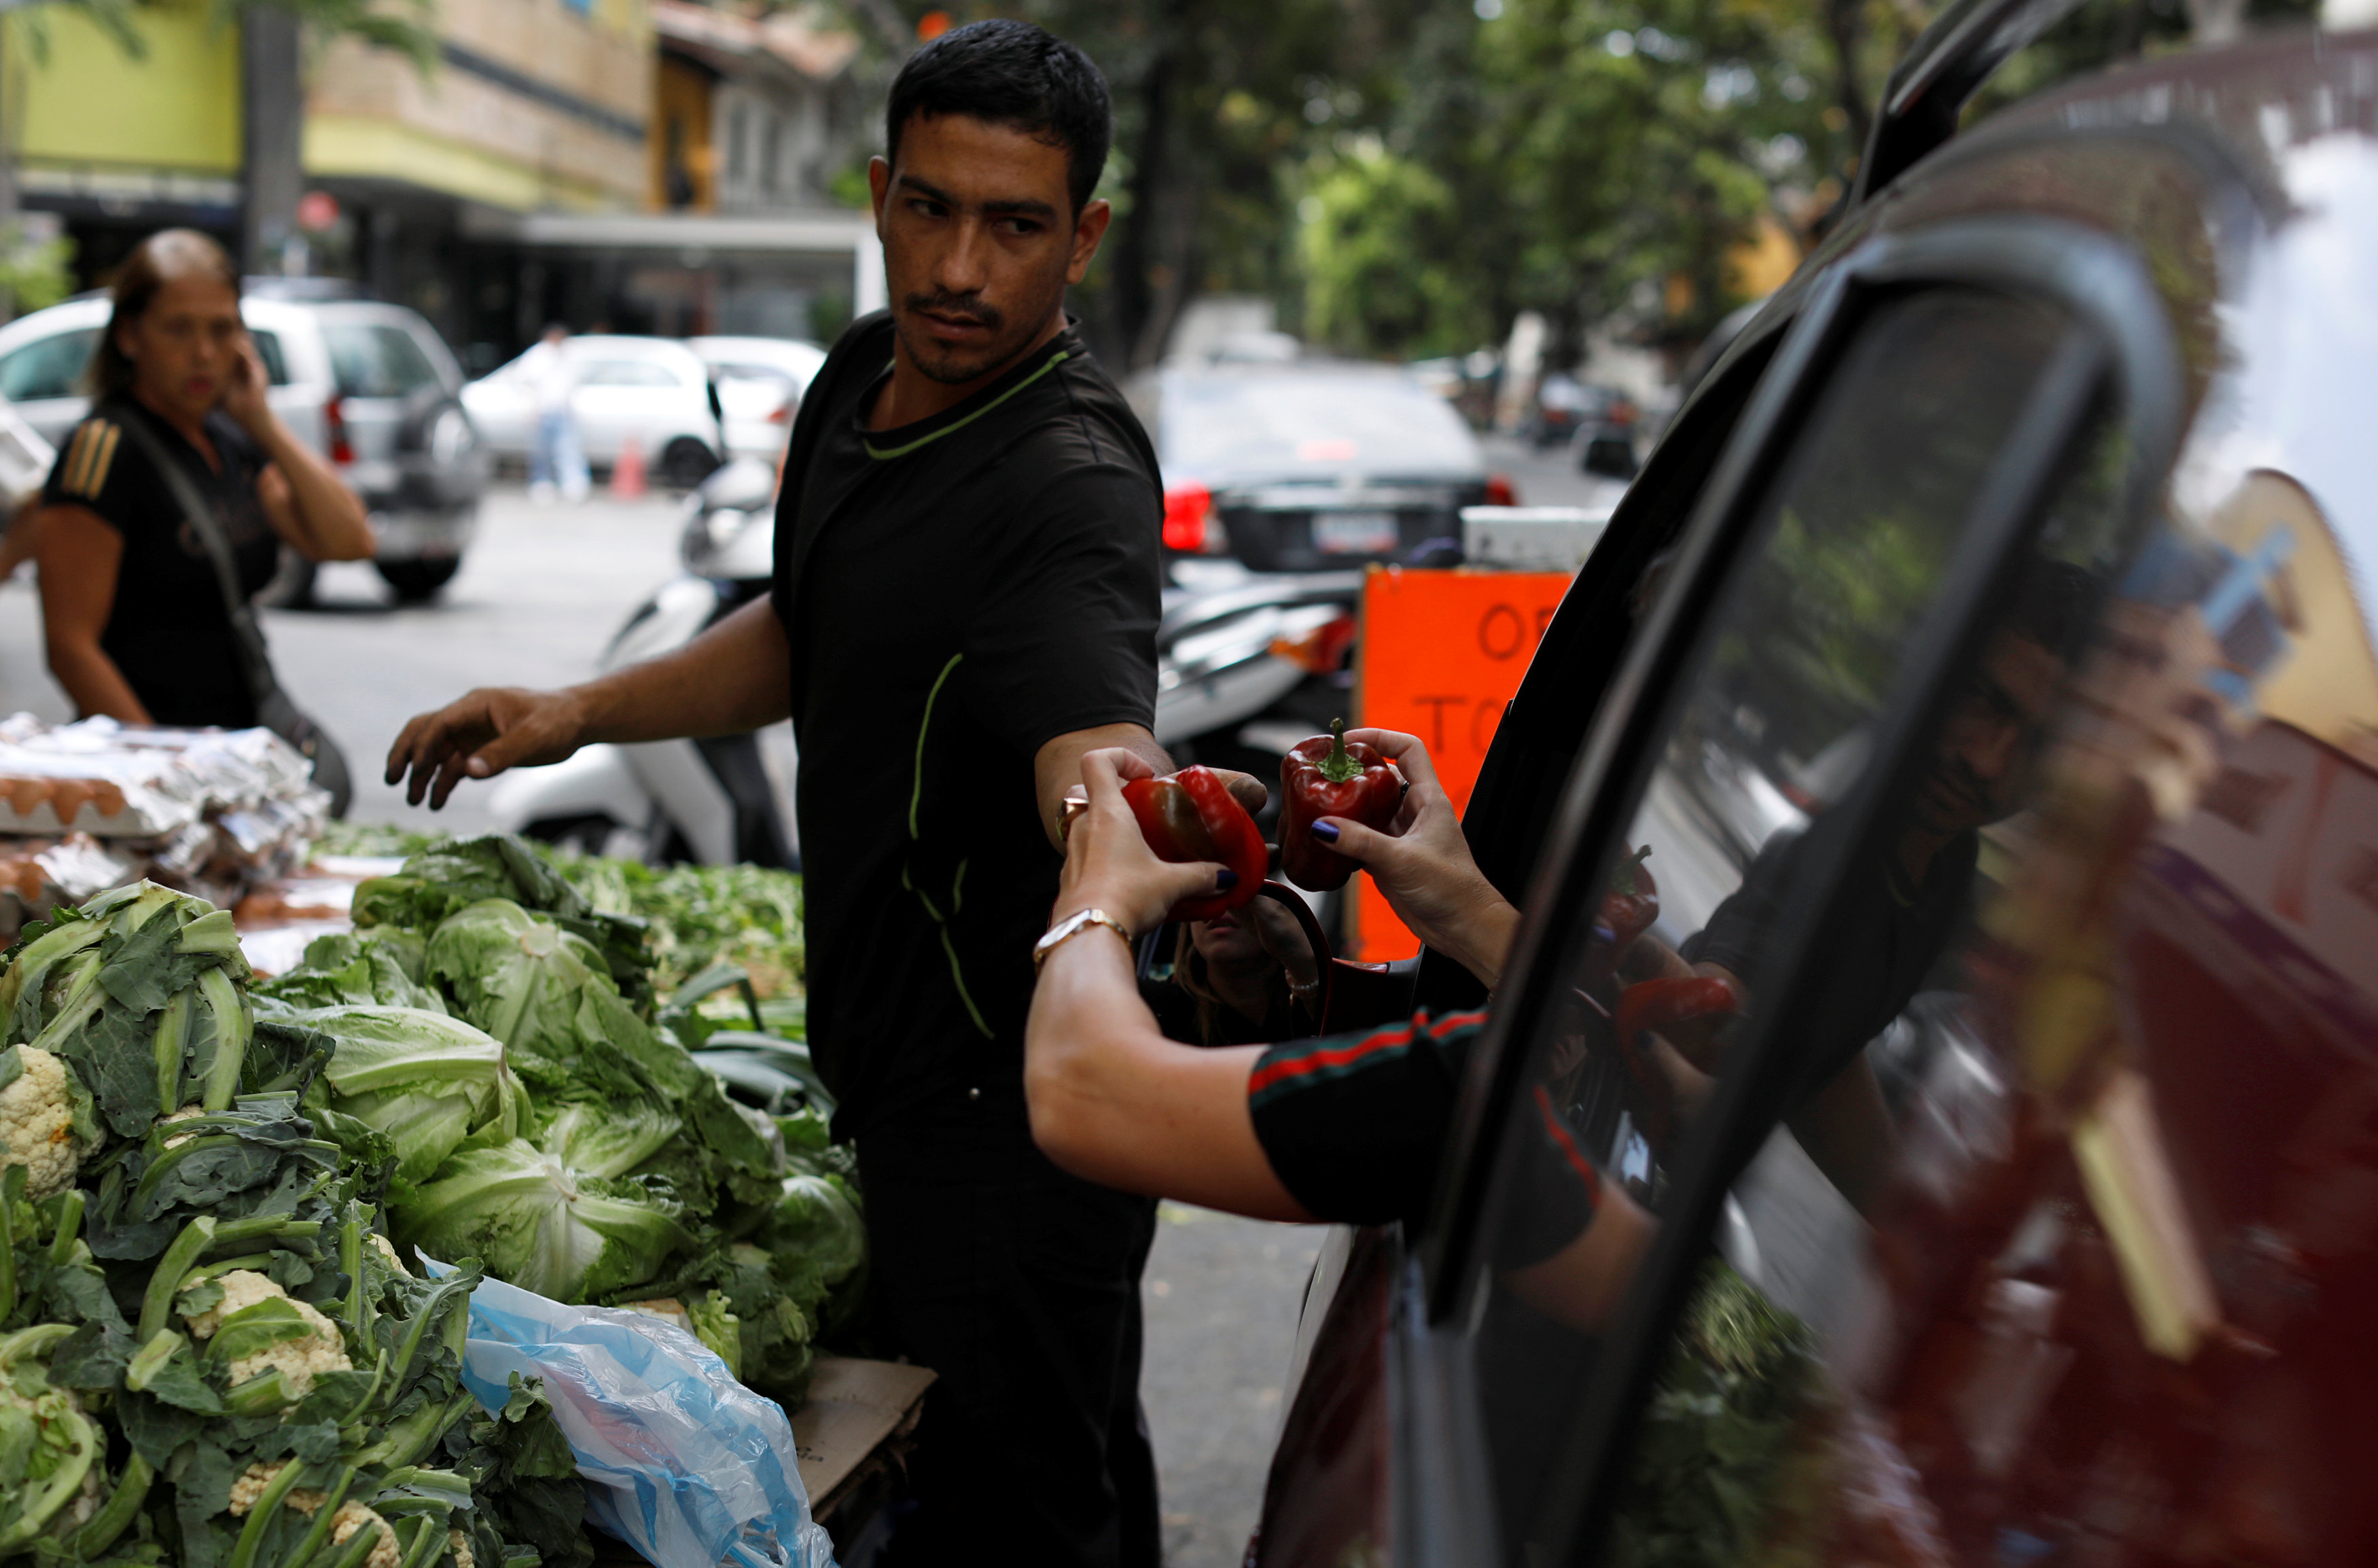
(855, 1412)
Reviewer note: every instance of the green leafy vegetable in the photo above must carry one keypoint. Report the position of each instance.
(560, 1232)
(430, 1083)
(283, 1373)
(1714, 1454)
(139, 990)
(381, 965)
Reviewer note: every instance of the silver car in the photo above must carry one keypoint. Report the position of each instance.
(371, 386)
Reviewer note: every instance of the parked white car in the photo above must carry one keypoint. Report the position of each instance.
(25, 461)
(655, 391)
(761, 382)
(371, 386)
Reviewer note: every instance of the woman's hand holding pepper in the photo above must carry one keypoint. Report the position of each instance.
(1108, 865)
(1422, 865)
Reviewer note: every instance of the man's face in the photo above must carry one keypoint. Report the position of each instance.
(1993, 733)
(980, 242)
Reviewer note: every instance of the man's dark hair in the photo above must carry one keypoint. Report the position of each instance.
(1011, 73)
(2054, 606)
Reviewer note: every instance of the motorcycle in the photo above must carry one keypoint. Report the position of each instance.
(1245, 671)
(717, 800)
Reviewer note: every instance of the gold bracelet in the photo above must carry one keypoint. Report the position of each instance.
(1074, 925)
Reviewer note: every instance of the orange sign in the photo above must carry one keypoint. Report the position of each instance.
(1441, 653)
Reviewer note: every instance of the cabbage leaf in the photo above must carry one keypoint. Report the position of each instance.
(432, 1083)
(567, 1234)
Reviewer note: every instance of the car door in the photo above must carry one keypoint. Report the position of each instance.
(43, 380)
(1850, 657)
(621, 396)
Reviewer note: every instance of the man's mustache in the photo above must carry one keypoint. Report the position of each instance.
(966, 306)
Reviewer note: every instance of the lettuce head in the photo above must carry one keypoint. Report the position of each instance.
(430, 1083)
(544, 1226)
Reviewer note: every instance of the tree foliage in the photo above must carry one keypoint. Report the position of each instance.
(1405, 176)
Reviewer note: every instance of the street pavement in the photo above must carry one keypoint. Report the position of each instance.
(540, 593)
(1548, 478)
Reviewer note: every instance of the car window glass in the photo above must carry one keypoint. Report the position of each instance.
(376, 360)
(626, 373)
(1290, 425)
(47, 367)
(1771, 728)
(268, 349)
(2100, 1279)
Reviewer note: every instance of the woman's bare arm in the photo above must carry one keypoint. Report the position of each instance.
(80, 555)
(1116, 1103)
(307, 502)
(1112, 1099)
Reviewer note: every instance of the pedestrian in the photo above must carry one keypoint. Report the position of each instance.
(967, 592)
(557, 457)
(169, 504)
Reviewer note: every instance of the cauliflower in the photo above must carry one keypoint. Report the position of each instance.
(460, 1545)
(388, 1251)
(182, 1115)
(241, 1288)
(37, 1124)
(353, 1516)
(249, 1489)
(298, 1360)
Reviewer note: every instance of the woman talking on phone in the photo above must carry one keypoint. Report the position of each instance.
(168, 506)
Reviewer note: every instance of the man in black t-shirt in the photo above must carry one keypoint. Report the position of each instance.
(966, 592)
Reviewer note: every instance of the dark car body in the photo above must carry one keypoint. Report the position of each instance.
(1309, 465)
(1986, 654)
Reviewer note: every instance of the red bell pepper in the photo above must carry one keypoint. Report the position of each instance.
(1327, 777)
(1190, 816)
(1659, 1005)
(1628, 908)
(1632, 903)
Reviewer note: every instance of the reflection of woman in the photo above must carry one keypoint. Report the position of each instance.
(1241, 978)
(1348, 1128)
(132, 605)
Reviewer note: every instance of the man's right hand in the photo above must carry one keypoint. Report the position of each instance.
(480, 735)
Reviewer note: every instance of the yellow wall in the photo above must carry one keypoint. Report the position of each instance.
(681, 97)
(179, 108)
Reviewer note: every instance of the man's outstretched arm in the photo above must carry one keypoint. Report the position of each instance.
(736, 677)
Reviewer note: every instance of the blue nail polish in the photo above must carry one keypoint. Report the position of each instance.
(1325, 831)
(1225, 879)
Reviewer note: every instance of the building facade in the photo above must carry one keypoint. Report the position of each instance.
(634, 165)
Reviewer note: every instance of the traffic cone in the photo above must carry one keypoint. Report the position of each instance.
(627, 473)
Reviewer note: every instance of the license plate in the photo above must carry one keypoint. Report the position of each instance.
(1354, 533)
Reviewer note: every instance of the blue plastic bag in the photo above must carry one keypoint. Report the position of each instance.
(680, 1461)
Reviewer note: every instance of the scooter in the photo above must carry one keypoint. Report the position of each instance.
(719, 800)
(1245, 671)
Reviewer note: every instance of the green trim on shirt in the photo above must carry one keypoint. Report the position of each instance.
(917, 785)
(880, 453)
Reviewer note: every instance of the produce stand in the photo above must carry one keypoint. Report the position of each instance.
(856, 1425)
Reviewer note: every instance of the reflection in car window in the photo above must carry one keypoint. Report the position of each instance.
(1772, 728)
(2106, 1297)
(47, 367)
(375, 361)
